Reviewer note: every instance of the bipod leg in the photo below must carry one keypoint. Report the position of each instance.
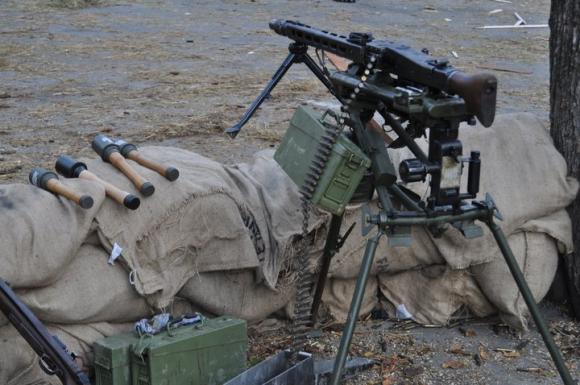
(315, 68)
(327, 254)
(286, 64)
(355, 305)
(529, 299)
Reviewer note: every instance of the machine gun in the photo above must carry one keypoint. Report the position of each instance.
(416, 88)
(416, 94)
(54, 358)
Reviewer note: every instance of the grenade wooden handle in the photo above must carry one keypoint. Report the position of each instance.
(146, 188)
(48, 180)
(122, 197)
(170, 173)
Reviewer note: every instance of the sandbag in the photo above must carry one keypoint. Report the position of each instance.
(537, 256)
(41, 232)
(214, 217)
(236, 293)
(89, 290)
(433, 294)
(338, 293)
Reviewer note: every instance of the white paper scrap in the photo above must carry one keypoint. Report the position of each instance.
(115, 253)
(402, 313)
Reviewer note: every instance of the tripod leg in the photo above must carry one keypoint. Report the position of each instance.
(290, 59)
(355, 305)
(530, 302)
(327, 254)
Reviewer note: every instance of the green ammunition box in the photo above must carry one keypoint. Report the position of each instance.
(208, 354)
(343, 172)
(113, 359)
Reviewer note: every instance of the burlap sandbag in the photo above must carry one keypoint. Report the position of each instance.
(89, 290)
(537, 256)
(236, 293)
(213, 218)
(41, 232)
(338, 293)
(433, 294)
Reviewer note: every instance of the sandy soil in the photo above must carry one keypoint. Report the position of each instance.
(178, 72)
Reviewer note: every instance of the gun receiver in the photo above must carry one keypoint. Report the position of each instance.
(410, 66)
(54, 358)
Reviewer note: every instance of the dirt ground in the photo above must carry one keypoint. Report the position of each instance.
(178, 72)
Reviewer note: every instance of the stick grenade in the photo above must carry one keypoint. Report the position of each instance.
(48, 180)
(129, 150)
(70, 168)
(110, 153)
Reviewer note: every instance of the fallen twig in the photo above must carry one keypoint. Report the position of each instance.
(500, 69)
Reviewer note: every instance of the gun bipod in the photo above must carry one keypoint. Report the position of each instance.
(298, 53)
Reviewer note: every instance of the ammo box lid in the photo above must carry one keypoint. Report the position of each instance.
(211, 332)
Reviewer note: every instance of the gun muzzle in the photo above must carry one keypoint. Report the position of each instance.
(110, 153)
(70, 168)
(48, 180)
(129, 150)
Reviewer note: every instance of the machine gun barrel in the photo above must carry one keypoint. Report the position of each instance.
(415, 67)
(324, 40)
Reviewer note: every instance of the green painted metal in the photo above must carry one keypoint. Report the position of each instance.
(209, 353)
(113, 359)
(343, 172)
(355, 304)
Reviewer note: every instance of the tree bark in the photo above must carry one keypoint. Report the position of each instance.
(565, 116)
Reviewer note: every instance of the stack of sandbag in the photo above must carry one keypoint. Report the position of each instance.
(220, 235)
(224, 239)
(435, 277)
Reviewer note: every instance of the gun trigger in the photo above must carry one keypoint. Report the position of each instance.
(343, 238)
(46, 364)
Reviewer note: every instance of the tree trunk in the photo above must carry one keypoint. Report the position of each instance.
(565, 116)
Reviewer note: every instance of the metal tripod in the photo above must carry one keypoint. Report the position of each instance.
(483, 213)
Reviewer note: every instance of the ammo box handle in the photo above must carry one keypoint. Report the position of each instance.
(331, 113)
(354, 161)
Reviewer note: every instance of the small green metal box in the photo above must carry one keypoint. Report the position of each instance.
(113, 359)
(345, 167)
(209, 354)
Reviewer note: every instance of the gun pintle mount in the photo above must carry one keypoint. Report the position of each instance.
(414, 92)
